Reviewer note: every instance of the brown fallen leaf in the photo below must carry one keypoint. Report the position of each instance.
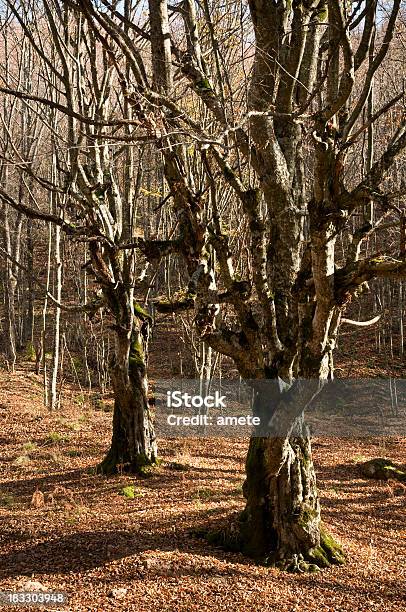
(396, 488)
(118, 593)
(33, 585)
(38, 499)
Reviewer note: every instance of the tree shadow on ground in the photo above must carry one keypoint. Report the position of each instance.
(91, 485)
(145, 558)
(86, 550)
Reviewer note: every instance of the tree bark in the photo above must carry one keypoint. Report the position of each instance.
(10, 286)
(133, 444)
(281, 523)
(29, 294)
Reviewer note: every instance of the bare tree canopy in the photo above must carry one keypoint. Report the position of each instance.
(278, 161)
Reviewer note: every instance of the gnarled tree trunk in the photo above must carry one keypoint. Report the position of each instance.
(133, 444)
(281, 522)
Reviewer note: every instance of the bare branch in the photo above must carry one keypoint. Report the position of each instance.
(66, 110)
(89, 308)
(362, 323)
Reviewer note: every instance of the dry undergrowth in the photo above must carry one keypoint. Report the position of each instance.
(71, 530)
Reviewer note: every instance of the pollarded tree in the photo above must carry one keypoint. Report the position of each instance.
(301, 112)
(282, 134)
(94, 183)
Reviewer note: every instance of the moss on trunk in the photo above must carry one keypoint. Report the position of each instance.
(133, 445)
(281, 523)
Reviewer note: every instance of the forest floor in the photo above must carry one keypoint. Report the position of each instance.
(110, 552)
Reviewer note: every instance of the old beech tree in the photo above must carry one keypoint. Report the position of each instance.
(95, 186)
(268, 100)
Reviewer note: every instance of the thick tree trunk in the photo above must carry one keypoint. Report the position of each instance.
(133, 443)
(281, 522)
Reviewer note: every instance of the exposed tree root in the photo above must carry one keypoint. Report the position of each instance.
(113, 463)
(327, 553)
